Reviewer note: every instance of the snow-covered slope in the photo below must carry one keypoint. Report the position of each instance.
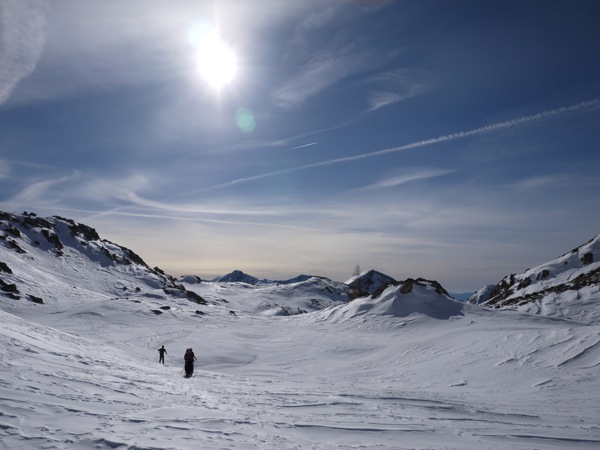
(568, 286)
(49, 260)
(481, 295)
(408, 298)
(273, 299)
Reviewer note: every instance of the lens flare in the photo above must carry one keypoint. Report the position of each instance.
(245, 120)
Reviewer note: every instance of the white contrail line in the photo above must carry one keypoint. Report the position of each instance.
(302, 146)
(588, 104)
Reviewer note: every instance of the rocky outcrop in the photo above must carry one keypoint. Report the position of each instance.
(368, 283)
(556, 286)
(71, 241)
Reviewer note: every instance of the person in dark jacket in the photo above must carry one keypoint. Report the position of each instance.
(161, 354)
(189, 359)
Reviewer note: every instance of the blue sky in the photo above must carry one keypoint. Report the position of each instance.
(451, 140)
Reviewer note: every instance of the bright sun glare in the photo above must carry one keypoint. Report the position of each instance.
(217, 61)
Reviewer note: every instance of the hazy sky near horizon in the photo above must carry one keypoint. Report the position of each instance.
(452, 140)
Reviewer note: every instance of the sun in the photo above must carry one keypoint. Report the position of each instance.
(216, 60)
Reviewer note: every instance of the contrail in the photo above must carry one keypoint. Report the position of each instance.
(302, 146)
(588, 104)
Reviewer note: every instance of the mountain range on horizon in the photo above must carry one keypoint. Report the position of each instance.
(568, 286)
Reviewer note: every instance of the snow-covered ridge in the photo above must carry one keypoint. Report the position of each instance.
(401, 299)
(568, 286)
(274, 299)
(53, 259)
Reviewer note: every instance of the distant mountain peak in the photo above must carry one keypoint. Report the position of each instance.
(237, 276)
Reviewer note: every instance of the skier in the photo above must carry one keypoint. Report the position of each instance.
(189, 359)
(161, 353)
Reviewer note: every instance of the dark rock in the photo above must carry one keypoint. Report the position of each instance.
(524, 283)
(195, 297)
(36, 222)
(8, 287)
(407, 286)
(52, 237)
(13, 231)
(156, 311)
(136, 258)
(87, 233)
(543, 275)
(4, 268)
(13, 244)
(370, 283)
(35, 299)
(588, 258)
(437, 286)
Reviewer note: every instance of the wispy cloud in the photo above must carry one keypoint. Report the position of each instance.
(324, 54)
(22, 40)
(39, 191)
(323, 70)
(396, 86)
(406, 178)
(560, 181)
(77, 191)
(5, 169)
(537, 182)
(548, 114)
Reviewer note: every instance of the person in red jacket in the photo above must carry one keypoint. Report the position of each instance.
(189, 359)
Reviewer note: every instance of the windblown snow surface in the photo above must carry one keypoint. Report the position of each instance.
(400, 371)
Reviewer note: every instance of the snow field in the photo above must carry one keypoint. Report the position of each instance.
(479, 379)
